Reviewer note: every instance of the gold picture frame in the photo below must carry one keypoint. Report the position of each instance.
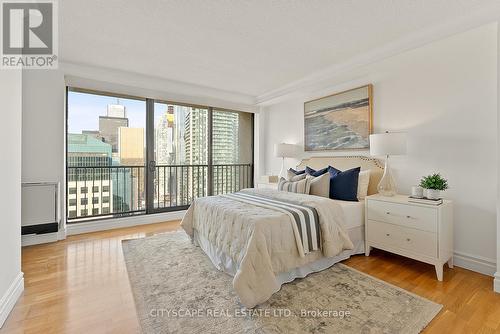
(339, 122)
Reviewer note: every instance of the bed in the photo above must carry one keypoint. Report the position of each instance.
(252, 237)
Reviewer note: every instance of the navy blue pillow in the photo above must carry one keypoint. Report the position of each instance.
(344, 185)
(316, 173)
(297, 172)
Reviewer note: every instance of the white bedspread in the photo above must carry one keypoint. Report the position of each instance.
(261, 240)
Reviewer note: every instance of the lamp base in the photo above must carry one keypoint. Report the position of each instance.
(282, 171)
(387, 185)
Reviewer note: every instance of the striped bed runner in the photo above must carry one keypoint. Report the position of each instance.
(305, 219)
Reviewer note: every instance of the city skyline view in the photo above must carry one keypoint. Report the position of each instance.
(85, 110)
(106, 154)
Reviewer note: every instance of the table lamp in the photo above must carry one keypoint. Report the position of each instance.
(283, 151)
(387, 144)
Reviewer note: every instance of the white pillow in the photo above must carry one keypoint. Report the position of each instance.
(363, 182)
(300, 187)
(320, 185)
(291, 176)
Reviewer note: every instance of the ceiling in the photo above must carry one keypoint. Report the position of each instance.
(250, 47)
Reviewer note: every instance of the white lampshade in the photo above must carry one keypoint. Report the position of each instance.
(283, 150)
(389, 143)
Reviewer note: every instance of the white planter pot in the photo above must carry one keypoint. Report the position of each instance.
(432, 194)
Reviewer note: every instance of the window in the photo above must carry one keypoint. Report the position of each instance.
(105, 151)
(181, 154)
(196, 151)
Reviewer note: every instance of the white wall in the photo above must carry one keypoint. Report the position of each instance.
(11, 278)
(43, 128)
(444, 95)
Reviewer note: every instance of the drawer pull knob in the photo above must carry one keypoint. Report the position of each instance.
(408, 217)
(387, 234)
(388, 213)
(408, 239)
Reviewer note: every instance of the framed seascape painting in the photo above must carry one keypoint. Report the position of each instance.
(341, 121)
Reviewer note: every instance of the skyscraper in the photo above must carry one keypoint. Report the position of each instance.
(128, 183)
(131, 146)
(225, 150)
(170, 150)
(116, 110)
(164, 137)
(225, 147)
(196, 136)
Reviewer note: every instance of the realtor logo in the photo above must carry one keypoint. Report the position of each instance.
(29, 34)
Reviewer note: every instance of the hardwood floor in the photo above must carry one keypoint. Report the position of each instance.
(80, 285)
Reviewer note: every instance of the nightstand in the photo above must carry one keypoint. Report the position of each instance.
(418, 231)
(267, 185)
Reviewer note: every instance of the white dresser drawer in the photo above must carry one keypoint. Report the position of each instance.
(416, 241)
(418, 231)
(420, 218)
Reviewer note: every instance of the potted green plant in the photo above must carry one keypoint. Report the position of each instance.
(434, 184)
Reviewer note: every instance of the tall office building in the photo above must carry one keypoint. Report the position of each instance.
(225, 145)
(170, 150)
(108, 125)
(196, 153)
(85, 150)
(225, 150)
(180, 113)
(131, 146)
(165, 148)
(225, 141)
(196, 136)
(164, 137)
(129, 183)
(116, 110)
(89, 189)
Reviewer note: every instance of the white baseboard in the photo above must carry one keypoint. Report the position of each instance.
(109, 224)
(36, 239)
(496, 282)
(10, 297)
(475, 263)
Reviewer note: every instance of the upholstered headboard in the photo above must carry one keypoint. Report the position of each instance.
(346, 162)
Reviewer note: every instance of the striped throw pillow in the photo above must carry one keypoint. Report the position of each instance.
(299, 187)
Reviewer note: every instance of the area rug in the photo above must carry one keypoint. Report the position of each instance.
(178, 290)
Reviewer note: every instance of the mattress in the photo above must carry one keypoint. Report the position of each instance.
(354, 213)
